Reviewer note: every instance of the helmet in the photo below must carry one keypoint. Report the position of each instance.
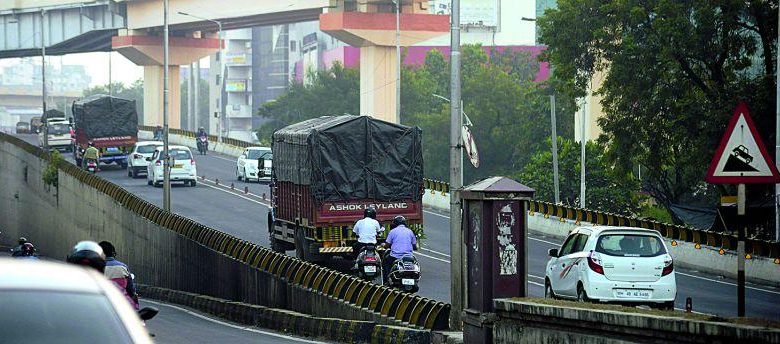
(90, 143)
(88, 253)
(108, 248)
(202, 129)
(28, 249)
(22, 240)
(399, 220)
(370, 212)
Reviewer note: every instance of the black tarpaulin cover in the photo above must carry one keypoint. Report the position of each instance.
(104, 116)
(351, 157)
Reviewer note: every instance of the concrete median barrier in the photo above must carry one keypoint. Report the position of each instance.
(520, 321)
(174, 252)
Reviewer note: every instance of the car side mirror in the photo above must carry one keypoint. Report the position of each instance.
(149, 159)
(147, 313)
(553, 252)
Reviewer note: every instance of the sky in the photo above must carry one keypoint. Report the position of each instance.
(97, 66)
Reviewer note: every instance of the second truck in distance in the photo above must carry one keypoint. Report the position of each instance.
(327, 170)
(110, 123)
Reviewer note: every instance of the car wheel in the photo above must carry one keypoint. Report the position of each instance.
(238, 176)
(130, 172)
(548, 292)
(149, 182)
(246, 177)
(134, 172)
(157, 185)
(193, 183)
(582, 296)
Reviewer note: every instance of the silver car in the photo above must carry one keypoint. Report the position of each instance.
(48, 302)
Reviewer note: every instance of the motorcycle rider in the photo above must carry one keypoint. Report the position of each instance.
(158, 133)
(27, 252)
(202, 135)
(402, 242)
(366, 229)
(17, 251)
(88, 253)
(90, 154)
(119, 273)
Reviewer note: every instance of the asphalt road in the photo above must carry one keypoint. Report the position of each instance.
(243, 215)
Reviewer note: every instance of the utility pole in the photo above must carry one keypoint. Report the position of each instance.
(398, 60)
(110, 82)
(43, 82)
(196, 98)
(583, 142)
(166, 161)
(777, 134)
(190, 98)
(741, 252)
(554, 139)
(456, 173)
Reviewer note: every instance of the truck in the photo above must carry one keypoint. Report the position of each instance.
(110, 123)
(328, 170)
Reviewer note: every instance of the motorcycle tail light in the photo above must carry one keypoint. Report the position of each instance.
(370, 259)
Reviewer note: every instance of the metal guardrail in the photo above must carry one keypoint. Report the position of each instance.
(409, 309)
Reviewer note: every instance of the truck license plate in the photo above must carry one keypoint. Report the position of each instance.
(369, 268)
(112, 150)
(632, 293)
(407, 281)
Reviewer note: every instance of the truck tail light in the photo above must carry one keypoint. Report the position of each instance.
(668, 267)
(594, 263)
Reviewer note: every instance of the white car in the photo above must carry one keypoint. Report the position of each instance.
(247, 165)
(48, 302)
(136, 160)
(59, 135)
(182, 168)
(612, 264)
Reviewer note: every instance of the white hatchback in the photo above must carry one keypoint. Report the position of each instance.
(136, 160)
(612, 264)
(248, 164)
(182, 166)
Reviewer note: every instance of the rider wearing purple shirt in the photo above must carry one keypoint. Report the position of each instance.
(402, 242)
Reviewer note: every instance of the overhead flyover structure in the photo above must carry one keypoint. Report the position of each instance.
(69, 26)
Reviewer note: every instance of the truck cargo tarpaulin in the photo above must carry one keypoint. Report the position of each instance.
(351, 157)
(102, 116)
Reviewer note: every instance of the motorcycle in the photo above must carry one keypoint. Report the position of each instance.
(369, 264)
(92, 166)
(203, 145)
(405, 274)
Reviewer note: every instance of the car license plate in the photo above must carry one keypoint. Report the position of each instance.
(369, 269)
(632, 293)
(407, 281)
(178, 166)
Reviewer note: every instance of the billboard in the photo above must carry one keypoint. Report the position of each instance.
(235, 86)
(474, 13)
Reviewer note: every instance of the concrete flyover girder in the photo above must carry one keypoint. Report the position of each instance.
(146, 50)
(234, 14)
(68, 26)
(365, 29)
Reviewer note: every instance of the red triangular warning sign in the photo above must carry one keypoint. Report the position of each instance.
(741, 157)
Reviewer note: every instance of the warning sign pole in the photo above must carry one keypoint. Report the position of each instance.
(741, 252)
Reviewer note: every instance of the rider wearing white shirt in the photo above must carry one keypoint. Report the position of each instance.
(366, 230)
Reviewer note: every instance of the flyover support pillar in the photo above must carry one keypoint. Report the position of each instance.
(378, 67)
(153, 100)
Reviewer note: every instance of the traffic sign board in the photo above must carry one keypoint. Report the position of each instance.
(741, 157)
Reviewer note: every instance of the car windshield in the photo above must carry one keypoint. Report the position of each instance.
(180, 154)
(58, 129)
(146, 148)
(259, 153)
(630, 245)
(58, 317)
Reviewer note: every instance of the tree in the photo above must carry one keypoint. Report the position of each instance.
(134, 92)
(607, 189)
(203, 101)
(673, 70)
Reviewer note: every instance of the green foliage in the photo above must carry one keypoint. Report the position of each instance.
(655, 212)
(52, 172)
(133, 92)
(510, 112)
(606, 188)
(203, 100)
(672, 73)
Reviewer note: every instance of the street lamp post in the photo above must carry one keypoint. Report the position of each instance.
(43, 82)
(221, 77)
(457, 287)
(398, 60)
(166, 161)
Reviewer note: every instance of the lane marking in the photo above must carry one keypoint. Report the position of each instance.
(537, 277)
(544, 241)
(435, 252)
(432, 257)
(536, 283)
(244, 328)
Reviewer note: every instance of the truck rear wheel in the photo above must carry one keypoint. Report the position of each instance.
(276, 244)
(300, 243)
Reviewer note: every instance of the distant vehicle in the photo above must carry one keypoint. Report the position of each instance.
(182, 170)
(255, 164)
(328, 170)
(22, 128)
(742, 153)
(612, 264)
(59, 133)
(48, 302)
(111, 124)
(35, 124)
(136, 160)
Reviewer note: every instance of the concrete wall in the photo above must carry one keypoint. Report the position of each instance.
(526, 322)
(170, 251)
